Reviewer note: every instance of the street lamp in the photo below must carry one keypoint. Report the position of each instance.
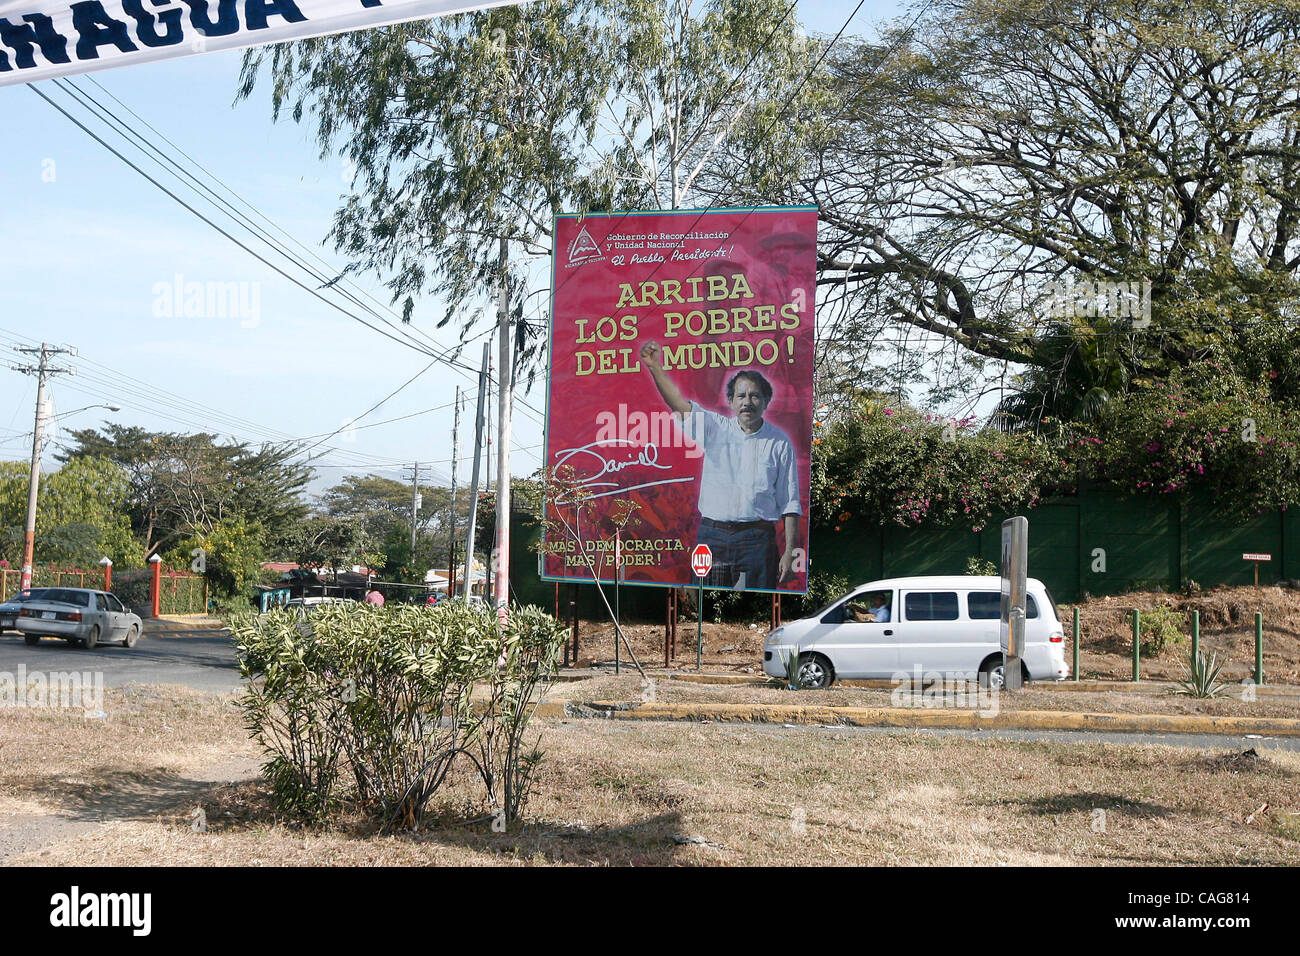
(109, 406)
(34, 481)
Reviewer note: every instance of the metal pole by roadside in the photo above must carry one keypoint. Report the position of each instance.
(1259, 648)
(1076, 644)
(1196, 634)
(1137, 645)
(699, 629)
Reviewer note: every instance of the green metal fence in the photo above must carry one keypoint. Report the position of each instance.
(1098, 543)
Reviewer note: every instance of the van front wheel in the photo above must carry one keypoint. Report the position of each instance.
(815, 672)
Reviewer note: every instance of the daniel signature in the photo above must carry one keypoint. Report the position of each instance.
(646, 456)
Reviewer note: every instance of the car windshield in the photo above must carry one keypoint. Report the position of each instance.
(66, 596)
(860, 595)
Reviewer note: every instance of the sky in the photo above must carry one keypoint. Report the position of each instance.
(94, 257)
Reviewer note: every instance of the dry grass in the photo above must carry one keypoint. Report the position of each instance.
(658, 793)
(632, 688)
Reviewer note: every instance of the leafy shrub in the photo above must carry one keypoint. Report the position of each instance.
(823, 588)
(976, 565)
(1161, 627)
(373, 704)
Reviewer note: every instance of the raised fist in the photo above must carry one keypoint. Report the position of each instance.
(650, 356)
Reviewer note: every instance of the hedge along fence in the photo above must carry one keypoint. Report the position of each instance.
(372, 706)
(49, 577)
(182, 593)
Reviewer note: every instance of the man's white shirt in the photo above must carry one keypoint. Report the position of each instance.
(745, 477)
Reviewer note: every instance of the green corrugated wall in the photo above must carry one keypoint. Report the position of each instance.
(1160, 542)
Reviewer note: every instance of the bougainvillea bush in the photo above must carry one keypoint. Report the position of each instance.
(1200, 429)
(891, 465)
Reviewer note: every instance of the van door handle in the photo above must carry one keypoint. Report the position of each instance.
(889, 632)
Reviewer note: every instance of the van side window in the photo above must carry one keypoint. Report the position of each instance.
(987, 606)
(930, 605)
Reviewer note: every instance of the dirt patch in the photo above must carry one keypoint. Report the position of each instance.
(1227, 629)
(63, 774)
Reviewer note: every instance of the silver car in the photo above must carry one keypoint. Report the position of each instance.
(78, 616)
(10, 608)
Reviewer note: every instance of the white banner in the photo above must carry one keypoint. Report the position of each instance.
(40, 39)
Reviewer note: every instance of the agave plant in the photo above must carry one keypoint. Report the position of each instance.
(1201, 676)
(791, 661)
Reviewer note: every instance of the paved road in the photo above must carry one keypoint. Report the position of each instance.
(201, 659)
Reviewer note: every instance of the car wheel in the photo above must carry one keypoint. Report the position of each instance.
(92, 639)
(31, 640)
(993, 675)
(132, 636)
(815, 672)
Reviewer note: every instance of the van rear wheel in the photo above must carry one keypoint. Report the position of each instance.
(992, 674)
(815, 672)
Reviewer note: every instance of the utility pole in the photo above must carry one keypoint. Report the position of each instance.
(42, 370)
(480, 409)
(451, 540)
(415, 507)
(501, 589)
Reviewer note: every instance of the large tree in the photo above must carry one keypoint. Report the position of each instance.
(183, 486)
(989, 154)
(80, 515)
(468, 130)
(382, 506)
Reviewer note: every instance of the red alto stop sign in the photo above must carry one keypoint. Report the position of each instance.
(701, 560)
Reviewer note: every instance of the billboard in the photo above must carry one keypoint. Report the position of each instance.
(41, 39)
(680, 394)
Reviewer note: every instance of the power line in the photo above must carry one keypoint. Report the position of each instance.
(406, 342)
(123, 129)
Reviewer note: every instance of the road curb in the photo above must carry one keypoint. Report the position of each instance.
(755, 680)
(927, 718)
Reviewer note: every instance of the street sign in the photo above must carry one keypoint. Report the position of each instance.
(702, 560)
(1015, 555)
(1256, 558)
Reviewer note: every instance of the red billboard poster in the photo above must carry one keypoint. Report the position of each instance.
(680, 396)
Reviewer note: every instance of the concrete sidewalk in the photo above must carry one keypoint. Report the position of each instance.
(180, 624)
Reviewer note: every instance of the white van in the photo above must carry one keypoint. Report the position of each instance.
(932, 625)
